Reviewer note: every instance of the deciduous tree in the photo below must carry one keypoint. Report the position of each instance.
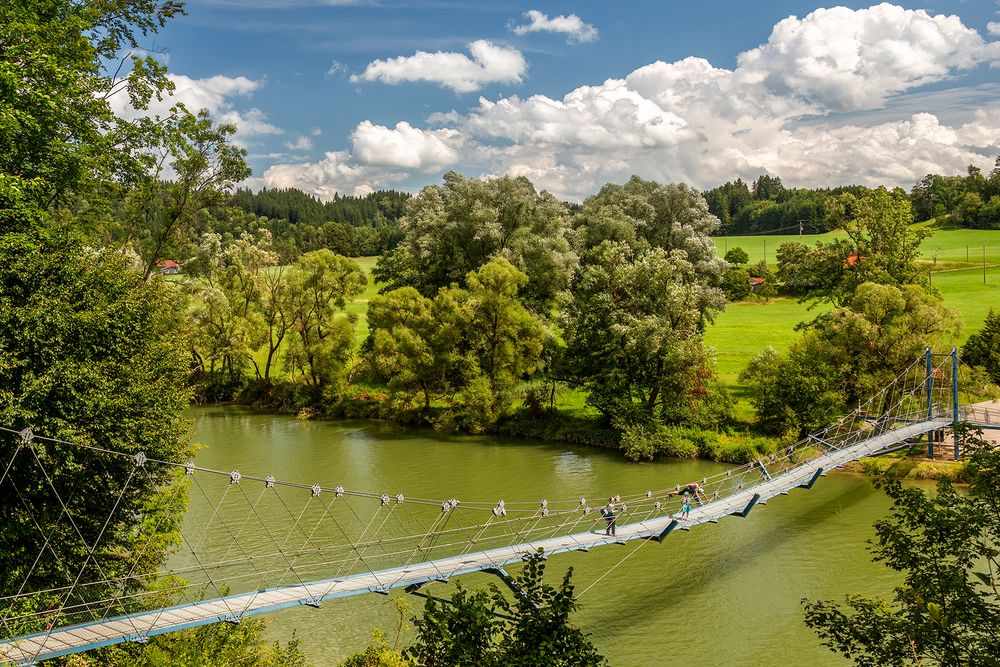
(319, 286)
(944, 545)
(454, 228)
(486, 628)
(983, 347)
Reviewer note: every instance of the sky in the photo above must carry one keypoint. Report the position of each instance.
(340, 96)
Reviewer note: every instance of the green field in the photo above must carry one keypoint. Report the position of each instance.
(360, 305)
(747, 328)
(945, 248)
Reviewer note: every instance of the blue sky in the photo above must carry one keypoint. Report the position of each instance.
(588, 92)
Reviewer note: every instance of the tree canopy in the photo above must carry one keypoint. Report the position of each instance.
(92, 347)
(946, 611)
(454, 228)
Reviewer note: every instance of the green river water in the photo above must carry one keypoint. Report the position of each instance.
(727, 594)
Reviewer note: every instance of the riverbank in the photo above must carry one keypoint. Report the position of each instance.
(672, 444)
(909, 466)
(736, 446)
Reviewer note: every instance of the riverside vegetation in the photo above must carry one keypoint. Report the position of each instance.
(503, 310)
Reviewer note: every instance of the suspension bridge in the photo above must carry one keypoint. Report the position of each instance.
(290, 543)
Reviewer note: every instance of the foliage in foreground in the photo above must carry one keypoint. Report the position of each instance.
(216, 645)
(947, 611)
(92, 349)
(487, 629)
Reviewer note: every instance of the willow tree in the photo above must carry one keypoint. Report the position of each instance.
(647, 285)
(454, 228)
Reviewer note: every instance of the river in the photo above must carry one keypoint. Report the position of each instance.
(727, 594)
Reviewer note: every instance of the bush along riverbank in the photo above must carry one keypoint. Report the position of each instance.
(637, 443)
(640, 444)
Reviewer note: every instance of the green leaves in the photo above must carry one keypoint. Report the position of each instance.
(983, 347)
(847, 354)
(489, 629)
(945, 612)
(319, 286)
(480, 340)
(453, 229)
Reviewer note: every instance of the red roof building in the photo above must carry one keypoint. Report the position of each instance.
(168, 267)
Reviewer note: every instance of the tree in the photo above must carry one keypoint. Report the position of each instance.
(726, 201)
(275, 311)
(319, 286)
(983, 347)
(481, 340)
(632, 333)
(414, 343)
(736, 284)
(505, 338)
(768, 188)
(645, 216)
(880, 247)
(737, 256)
(205, 165)
(216, 645)
(648, 284)
(90, 352)
(229, 284)
(485, 628)
(452, 229)
(803, 271)
(60, 63)
(847, 355)
(947, 610)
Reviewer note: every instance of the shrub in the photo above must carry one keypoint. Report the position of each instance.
(648, 444)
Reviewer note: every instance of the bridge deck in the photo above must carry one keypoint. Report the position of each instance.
(137, 627)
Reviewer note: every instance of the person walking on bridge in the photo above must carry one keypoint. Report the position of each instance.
(685, 508)
(608, 512)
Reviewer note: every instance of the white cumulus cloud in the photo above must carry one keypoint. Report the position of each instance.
(844, 59)
(490, 63)
(336, 173)
(405, 146)
(303, 143)
(813, 104)
(993, 27)
(217, 94)
(572, 26)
